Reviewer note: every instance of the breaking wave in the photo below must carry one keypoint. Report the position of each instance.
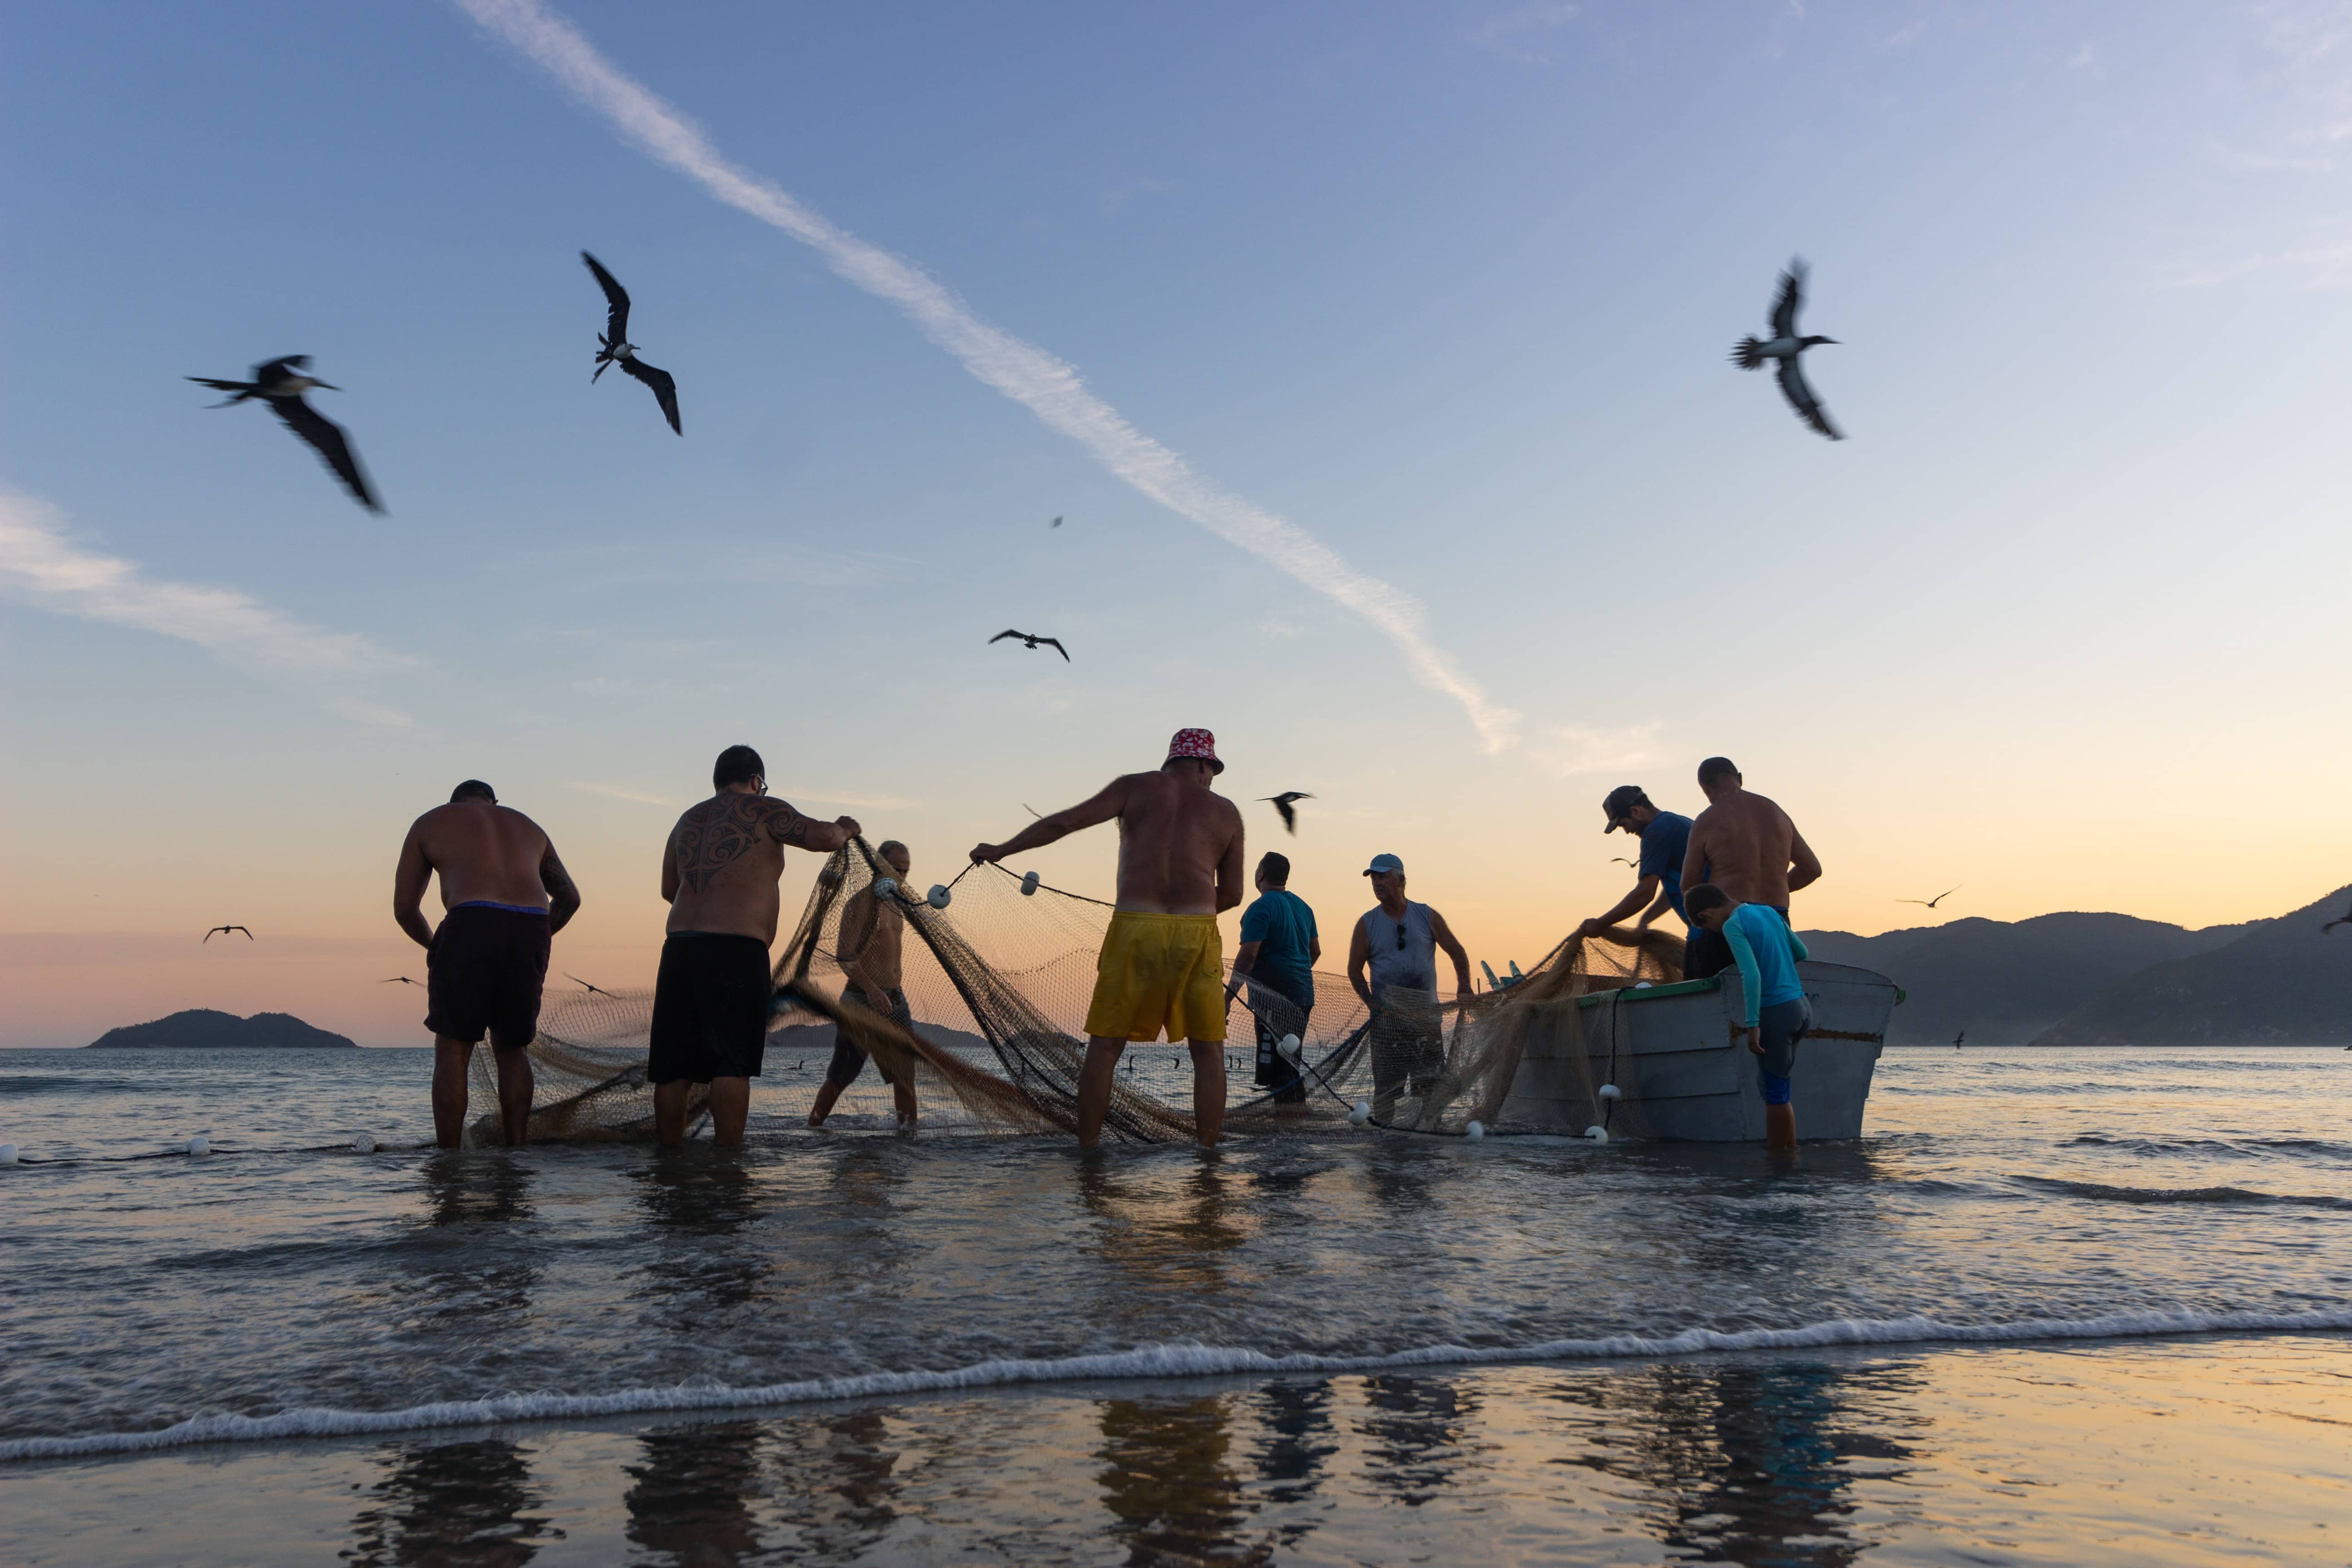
(1172, 1360)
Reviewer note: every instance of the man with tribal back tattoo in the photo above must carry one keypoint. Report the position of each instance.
(712, 997)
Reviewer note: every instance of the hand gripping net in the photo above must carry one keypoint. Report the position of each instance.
(998, 983)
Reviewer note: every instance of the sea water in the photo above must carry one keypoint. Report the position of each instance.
(1314, 1329)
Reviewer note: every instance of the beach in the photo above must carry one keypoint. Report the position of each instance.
(2062, 1307)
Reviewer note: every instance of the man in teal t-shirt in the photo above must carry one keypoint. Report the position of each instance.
(1278, 956)
(1773, 997)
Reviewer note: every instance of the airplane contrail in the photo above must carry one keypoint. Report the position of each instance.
(1048, 388)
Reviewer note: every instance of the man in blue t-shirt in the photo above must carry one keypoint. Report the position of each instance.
(1774, 1012)
(1658, 876)
(1278, 956)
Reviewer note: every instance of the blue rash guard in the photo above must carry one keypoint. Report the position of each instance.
(1768, 953)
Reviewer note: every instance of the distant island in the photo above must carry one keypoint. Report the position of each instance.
(205, 1028)
(2112, 979)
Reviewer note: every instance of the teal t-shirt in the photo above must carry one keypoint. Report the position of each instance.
(1766, 952)
(1282, 925)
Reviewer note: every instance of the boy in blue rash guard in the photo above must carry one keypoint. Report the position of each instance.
(1778, 1015)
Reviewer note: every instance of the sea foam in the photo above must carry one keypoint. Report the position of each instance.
(1146, 1362)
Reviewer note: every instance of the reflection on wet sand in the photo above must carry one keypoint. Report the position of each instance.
(690, 1499)
(1747, 1464)
(463, 1504)
(695, 1200)
(835, 1474)
(1416, 1426)
(1172, 1494)
(1295, 1443)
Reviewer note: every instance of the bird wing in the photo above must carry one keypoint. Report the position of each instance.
(224, 386)
(1054, 643)
(1800, 394)
(1791, 300)
(617, 301)
(1001, 636)
(328, 439)
(248, 935)
(1939, 898)
(665, 389)
(213, 932)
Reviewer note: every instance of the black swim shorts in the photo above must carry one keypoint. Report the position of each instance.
(484, 973)
(849, 1061)
(710, 1007)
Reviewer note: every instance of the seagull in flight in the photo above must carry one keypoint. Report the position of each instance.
(596, 990)
(1057, 522)
(616, 349)
(1285, 807)
(1929, 903)
(1783, 347)
(1033, 641)
(224, 930)
(1957, 1038)
(280, 383)
(397, 980)
(1620, 860)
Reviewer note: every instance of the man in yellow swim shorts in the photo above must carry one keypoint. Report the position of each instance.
(1162, 966)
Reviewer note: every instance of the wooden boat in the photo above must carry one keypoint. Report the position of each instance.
(1681, 1073)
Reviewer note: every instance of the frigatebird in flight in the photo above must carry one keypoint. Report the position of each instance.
(1783, 347)
(280, 383)
(1929, 903)
(1284, 807)
(224, 930)
(1033, 641)
(616, 349)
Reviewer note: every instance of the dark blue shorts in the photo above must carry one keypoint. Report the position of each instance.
(1780, 1027)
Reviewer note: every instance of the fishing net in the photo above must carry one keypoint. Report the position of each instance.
(998, 979)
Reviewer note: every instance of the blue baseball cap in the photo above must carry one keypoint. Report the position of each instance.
(1384, 863)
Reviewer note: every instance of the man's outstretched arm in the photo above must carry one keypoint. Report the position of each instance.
(408, 885)
(1058, 825)
(562, 893)
(789, 826)
(1645, 890)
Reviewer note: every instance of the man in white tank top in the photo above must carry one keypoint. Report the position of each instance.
(1397, 941)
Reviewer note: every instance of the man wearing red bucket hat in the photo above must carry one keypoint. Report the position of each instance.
(1162, 965)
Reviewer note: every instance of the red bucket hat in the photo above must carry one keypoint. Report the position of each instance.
(1194, 744)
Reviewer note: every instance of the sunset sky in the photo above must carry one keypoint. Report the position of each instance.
(1375, 355)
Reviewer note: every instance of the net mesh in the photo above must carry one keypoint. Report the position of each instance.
(998, 983)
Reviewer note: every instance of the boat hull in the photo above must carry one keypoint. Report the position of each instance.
(1682, 1073)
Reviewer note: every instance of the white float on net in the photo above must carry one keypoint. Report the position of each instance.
(1475, 1132)
(7, 1154)
(1288, 1046)
(939, 896)
(1028, 884)
(363, 1144)
(1611, 1091)
(886, 887)
(1361, 1114)
(201, 1144)
(1597, 1133)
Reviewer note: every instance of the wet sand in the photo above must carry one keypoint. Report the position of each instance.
(2219, 1450)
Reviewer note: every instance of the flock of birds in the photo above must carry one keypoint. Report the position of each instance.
(282, 382)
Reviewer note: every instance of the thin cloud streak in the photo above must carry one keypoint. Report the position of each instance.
(47, 569)
(1048, 388)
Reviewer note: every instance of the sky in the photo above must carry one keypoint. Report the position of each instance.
(1374, 354)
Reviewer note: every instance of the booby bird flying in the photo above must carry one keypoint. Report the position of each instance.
(1285, 806)
(1033, 641)
(280, 384)
(614, 347)
(1783, 347)
(224, 930)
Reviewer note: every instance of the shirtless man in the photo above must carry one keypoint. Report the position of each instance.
(1162, 965)
(504, 894)
(713, 993)
(876, 930)
(1747, 847)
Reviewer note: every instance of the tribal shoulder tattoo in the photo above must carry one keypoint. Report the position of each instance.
(721, 831)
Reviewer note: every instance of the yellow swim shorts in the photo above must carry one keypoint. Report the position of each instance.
(1159, 971)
